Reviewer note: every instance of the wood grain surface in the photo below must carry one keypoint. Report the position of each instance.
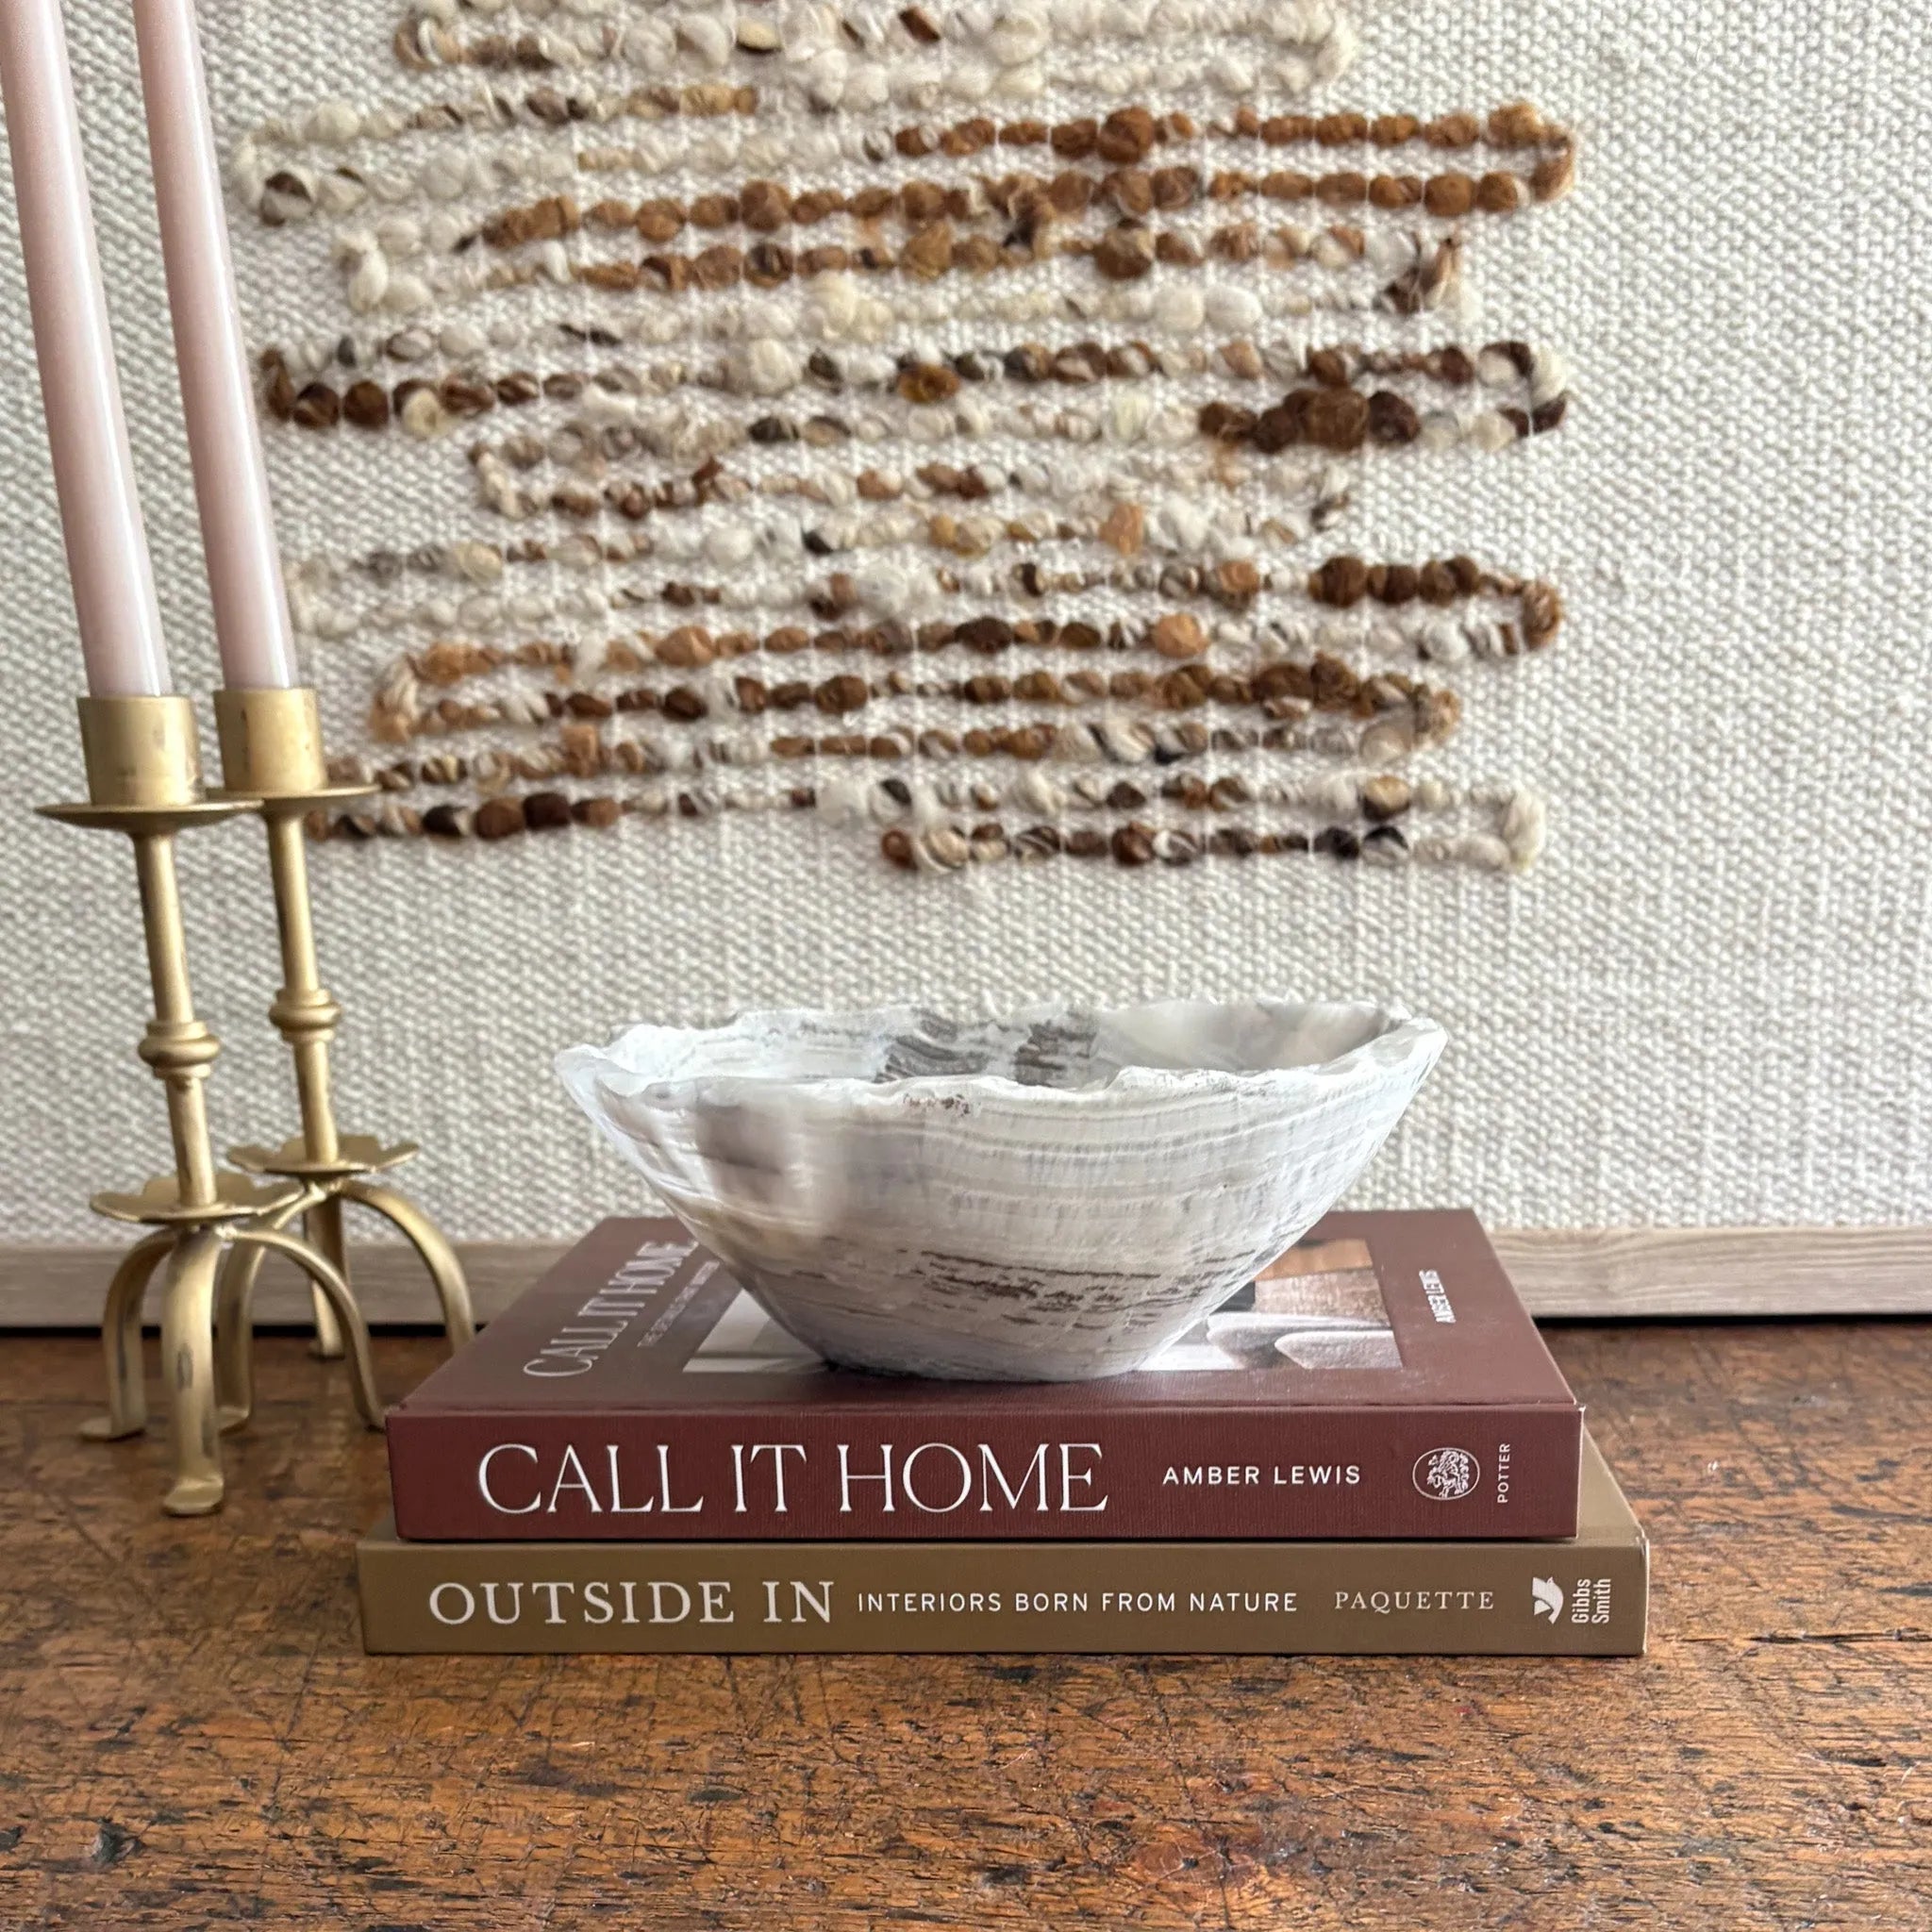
(1586, 1273)
(191, 1737)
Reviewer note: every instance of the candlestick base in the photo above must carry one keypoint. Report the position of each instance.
(144, 778)
(271, 758)
(200, 1245)
(330, 1184)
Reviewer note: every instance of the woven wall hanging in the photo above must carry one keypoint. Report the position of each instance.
(942, 418)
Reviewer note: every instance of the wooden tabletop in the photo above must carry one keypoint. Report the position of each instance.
(190, 1736)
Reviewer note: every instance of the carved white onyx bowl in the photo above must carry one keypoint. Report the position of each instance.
(1050, 1195)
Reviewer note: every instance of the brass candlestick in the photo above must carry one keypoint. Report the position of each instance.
(273, 762)
(145, 781)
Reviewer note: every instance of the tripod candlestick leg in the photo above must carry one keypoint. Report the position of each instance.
(188, 1365)
(120, 1342)
(322, 1227)
(445, 1271)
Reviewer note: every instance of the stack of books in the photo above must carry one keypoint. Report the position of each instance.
(1368, 1450)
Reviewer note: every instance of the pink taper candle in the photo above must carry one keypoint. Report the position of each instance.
(93, 473)
(244, 567)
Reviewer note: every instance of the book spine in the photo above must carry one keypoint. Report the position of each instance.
(1462, 1471)
(1448, 1599)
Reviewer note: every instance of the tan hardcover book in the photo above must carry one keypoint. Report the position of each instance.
(1585, 1596)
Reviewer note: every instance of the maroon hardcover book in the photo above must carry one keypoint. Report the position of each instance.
(1378, 1380)
(1381, 1379)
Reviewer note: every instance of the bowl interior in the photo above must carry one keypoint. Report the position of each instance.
(1071, 1048)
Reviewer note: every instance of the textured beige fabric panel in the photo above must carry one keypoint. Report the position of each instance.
(1708, 1002)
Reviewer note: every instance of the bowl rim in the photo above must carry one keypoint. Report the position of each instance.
(1402, 1040)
